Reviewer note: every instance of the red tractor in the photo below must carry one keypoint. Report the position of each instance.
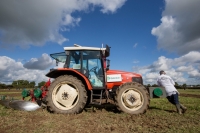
(85, 79)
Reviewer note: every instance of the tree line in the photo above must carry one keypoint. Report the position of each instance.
(177, 86)
(20, 84)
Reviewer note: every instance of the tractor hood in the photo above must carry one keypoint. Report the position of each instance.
(110, 72)
(123, 76)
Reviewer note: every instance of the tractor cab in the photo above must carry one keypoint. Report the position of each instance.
(89, 61)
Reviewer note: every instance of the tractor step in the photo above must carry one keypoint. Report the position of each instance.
(96, 96)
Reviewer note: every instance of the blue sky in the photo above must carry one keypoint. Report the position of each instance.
(145, 36)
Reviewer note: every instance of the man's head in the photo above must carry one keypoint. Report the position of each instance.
(162, 72)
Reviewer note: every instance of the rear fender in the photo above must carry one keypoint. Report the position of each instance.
(54, 73)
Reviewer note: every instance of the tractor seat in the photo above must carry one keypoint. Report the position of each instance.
(86, 72)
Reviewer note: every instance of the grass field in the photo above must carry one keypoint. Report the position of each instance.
(161, 117)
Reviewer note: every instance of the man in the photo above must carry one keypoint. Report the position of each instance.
(172, 93)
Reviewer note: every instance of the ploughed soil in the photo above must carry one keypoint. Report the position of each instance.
(101, 119)
(190, 95)
(17, 93)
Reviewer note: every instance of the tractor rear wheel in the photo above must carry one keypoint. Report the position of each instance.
(132, 98)
(66, 95)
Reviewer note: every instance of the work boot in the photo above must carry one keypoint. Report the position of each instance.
(178, 109)
(183, 108)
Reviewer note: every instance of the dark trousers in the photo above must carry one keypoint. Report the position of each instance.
(173, 99)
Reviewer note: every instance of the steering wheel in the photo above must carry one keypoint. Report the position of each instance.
(93, 69)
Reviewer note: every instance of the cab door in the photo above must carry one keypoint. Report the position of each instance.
(92, 63)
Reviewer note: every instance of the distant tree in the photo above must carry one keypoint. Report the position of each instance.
(41, 84)
(9, 86)
(20, 84)
(154, 85)
(32, 84)
(184, 86)
(2, 86)
(148, 85)
(23, 84)
(15, 84)
(177, 85)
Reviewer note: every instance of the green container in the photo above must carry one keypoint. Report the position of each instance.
(37, 92)
(25, 93)
(157, 92)
(3, 97)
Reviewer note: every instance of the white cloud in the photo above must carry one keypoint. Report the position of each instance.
(163, 63)
(11, 70)
(136, 61)
(184, 69)
(41, 63)
(199, 67)
(151, 75)
(194, 74)
(135, 45)
(108, 5)
(179, 30)
(34, 22)
(189, 58)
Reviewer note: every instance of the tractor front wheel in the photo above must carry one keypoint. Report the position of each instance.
(132, 98)
(66, 95)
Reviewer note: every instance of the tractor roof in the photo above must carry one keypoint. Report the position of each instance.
(106, 51)
(78, 47)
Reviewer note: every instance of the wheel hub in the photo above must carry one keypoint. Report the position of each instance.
(132, 99)
(65, 96)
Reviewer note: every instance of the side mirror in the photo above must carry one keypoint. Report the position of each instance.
(108, 65)
(107, 52)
